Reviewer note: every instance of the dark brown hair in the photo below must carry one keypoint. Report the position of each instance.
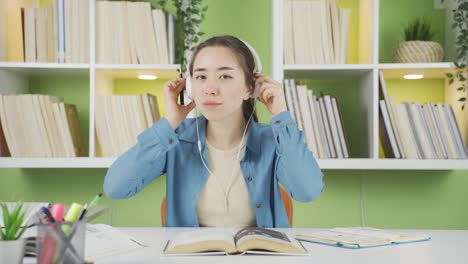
(245, 58)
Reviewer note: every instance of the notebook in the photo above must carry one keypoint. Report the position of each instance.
(360, 237)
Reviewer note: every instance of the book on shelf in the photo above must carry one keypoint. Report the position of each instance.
(56, 32)
(248, 240)
(413, 131)
(55, 124)
(386, 134)
(393, 133)
(59, 31)
(360, 237)
(121, 118)
(340, 127)
(319, 119)
(315, 32)
(141, 34)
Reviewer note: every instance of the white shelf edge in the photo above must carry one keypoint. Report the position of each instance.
(324, 164)
(137, 66)
(80, 162)
(438, 65)
(392, 164)
(294, 67)
(27, 65)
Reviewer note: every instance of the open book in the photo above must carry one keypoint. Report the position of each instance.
(360, 237)
(251, 240)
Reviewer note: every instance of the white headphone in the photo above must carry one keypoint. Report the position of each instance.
(258, 63)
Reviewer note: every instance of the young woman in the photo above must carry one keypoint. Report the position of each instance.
(223, 168)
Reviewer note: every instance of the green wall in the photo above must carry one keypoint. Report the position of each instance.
(393, 199)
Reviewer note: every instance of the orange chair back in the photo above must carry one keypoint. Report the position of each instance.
(288, 205)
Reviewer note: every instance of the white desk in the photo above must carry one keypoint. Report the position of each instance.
(446, 246)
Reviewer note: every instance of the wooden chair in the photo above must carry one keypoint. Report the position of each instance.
(288, 205)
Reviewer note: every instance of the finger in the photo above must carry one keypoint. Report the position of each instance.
(266, 79)
(189, 107)
(179, 84)
(271, 91)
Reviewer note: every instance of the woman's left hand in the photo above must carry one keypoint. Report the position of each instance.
(270, 93)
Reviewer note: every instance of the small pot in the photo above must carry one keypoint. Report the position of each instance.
(418, 52)
(12, 251)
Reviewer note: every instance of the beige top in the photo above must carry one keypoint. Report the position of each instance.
(224, 200)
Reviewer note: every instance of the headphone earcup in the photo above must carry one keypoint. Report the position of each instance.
(188, 87)
(255, 92)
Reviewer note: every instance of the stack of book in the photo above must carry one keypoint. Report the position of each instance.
(58, 32)
(139, 34)
(319, 118)
(120, 118)
(315, 32)
(35, 125)
(413, 131)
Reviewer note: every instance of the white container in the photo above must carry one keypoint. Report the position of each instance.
(12, 251)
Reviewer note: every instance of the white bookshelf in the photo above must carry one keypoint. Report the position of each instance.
(14, 78)
(366, 72)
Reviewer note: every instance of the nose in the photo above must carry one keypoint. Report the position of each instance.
(211, 87)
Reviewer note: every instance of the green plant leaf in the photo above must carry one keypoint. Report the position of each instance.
(463, 99)
(460, 88)
(450, 81)
(449, 75)
(21, 232)
(6, 216)
(15, 213)
(15, 226)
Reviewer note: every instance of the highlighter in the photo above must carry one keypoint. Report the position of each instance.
(71, 216)
(57, 212)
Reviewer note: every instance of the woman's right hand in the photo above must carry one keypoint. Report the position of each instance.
(175, 113)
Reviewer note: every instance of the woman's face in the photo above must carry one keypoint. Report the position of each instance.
(218, 83)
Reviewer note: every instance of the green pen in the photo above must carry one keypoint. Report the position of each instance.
(91, 205)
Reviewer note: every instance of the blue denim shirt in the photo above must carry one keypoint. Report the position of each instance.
(273, 154)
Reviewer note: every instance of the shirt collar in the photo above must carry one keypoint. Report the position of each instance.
(190, 135)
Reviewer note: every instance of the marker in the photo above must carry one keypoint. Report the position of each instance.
(91, 205)
(46, 211)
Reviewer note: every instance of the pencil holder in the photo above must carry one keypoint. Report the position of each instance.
(61, 242)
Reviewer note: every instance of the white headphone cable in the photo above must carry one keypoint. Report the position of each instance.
(226, 193)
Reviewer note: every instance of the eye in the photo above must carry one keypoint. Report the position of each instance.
(224, 76)
(200, 77)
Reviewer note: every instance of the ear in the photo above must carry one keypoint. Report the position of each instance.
(248, 92)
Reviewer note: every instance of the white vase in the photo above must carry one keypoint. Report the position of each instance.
(12, 251)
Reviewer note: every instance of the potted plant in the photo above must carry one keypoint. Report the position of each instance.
(11, 243)
(418, 46)
(458, 78)
(188, 16)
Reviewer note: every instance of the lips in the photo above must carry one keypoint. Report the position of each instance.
(210, 103)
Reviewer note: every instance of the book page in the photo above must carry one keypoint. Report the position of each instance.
(201, 241)
(385, 234)
(266, 239)
(355, 237)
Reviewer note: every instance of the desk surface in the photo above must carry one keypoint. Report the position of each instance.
(446, 246)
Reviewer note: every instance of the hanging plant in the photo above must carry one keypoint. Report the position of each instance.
(460, 22)
(188, 16)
